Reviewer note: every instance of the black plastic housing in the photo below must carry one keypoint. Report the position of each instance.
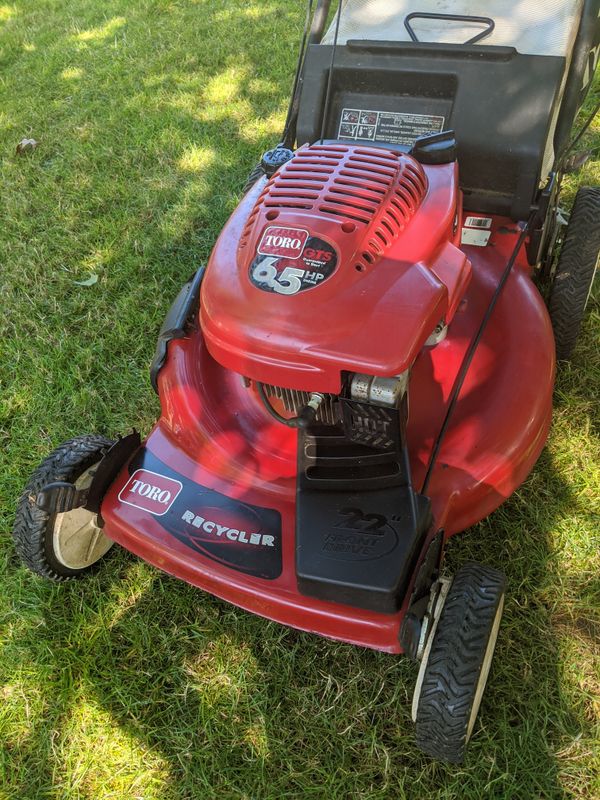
(175, 325)
(360, 525)
(499, 102)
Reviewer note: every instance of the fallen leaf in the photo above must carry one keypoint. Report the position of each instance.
(88, 282)
(26, 146)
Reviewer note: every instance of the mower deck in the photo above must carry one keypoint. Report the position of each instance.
(211, 495)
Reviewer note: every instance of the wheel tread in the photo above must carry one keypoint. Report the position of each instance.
(575, 271)
(455, 661)
(30, 521)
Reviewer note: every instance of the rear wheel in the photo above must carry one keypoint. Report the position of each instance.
(65, 545)
(257, 173)
(574, 276)
(456, 662)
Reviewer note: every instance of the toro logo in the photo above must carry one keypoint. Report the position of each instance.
(150, 492)
(283, 242)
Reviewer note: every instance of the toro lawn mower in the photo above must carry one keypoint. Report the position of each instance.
(366, 365)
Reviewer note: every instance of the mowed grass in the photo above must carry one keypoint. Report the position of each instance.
(149, 115)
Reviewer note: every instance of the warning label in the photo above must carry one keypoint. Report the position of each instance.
(387, 126)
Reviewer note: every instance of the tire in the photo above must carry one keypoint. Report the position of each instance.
(37, 533)
(575, 271)
(456, 662)
(257, 172)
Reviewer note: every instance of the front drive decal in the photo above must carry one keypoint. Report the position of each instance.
(300, 263)
(150, 491)
(236, 534)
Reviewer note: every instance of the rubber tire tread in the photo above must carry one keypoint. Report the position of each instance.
(455, 661)
(257, 172)
(33, 528)
(575, 271)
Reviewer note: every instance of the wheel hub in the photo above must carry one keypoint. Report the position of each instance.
(78, 540)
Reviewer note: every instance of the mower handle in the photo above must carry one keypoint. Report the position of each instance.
(318, 21)
(451, 17)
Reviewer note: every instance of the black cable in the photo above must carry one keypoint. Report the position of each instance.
(330, 77)
(294, 99)
(304, 419)
(293, 422)
(464, 368)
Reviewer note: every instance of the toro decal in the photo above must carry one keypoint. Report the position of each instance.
(289, 261)
(150, 492)
(285, 242)
(233, 533)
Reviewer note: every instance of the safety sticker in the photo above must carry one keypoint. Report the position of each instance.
(476, 231)
(475, 236)
(478, 222)
(387, 126)
(289, 262)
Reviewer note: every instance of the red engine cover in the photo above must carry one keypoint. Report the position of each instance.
(346, 259)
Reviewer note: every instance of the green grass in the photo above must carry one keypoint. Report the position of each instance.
(132, 685)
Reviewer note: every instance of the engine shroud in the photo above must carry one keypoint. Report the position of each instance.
(345, 260)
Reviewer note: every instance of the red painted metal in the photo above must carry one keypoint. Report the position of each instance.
(399, 272)
(214, 430)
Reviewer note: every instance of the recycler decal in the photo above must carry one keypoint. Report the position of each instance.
(239, 535)
(289, 261)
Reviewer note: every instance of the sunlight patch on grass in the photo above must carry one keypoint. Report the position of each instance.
(118, 765)
(101, 32)
(270, 125)
(21, 704)
(97, 259)
(255, 737)
(125, 595)
(222, 673)
(579, 754)
(7, 12)
(71, 73)
(196, 159)
(225, 88)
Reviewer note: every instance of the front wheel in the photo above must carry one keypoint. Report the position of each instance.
(456, 662)
(63, 545)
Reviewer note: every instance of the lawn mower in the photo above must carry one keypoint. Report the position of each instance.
(365, 367)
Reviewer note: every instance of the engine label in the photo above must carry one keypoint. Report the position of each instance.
(289, 274)
(284, 242)
(234, 533)
(387, 126)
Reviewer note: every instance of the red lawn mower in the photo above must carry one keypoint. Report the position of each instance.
(366, 365)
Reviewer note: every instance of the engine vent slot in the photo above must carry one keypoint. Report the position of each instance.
(378, 189)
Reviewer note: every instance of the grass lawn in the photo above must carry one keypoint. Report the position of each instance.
(149, 116)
